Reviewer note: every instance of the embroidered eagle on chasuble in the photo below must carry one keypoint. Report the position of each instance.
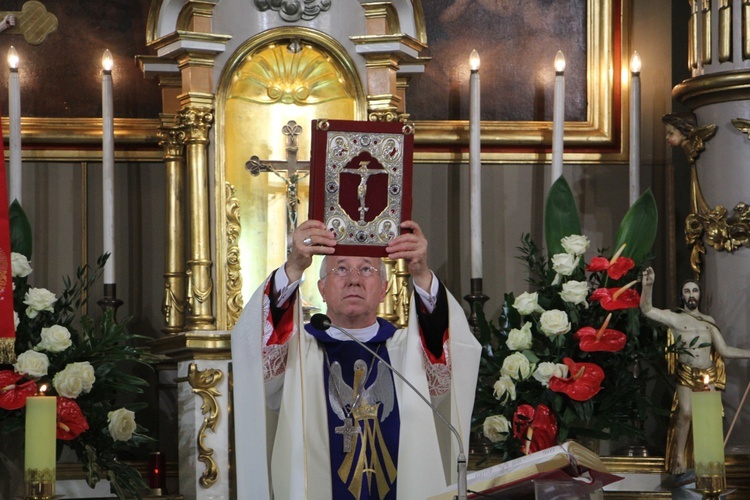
(361, 409)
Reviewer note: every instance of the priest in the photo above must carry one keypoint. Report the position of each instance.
(316, 414)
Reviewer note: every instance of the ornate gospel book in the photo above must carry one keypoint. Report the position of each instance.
(360, 182)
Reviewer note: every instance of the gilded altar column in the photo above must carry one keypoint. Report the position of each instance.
(196, 122)
(718, 93)
(171, 139)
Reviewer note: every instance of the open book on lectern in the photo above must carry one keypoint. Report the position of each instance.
(567, 462)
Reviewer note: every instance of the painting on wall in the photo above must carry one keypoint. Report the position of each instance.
(517, 42)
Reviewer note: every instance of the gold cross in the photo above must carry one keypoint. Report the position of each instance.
(32, 21)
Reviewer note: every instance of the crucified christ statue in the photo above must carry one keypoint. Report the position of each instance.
(364, 174)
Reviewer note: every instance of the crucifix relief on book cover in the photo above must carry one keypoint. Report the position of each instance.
(360, 183)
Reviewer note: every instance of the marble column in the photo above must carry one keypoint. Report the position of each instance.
(718, 93)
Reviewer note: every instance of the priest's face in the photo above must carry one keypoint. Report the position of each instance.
(352, 287)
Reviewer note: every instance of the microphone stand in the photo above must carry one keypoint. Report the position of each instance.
(323, 322)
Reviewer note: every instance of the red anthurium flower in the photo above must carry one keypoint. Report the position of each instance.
(584, 382)
(13, 395)
(70, 420)
(537, 428)
(603, 339)
(614, 299)
(616, 267)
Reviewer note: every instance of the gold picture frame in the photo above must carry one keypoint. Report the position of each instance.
(601, 137)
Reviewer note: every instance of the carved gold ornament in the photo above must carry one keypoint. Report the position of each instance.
(711, 225)
(204, 384)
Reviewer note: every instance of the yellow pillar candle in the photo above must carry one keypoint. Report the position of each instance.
(708, 433)
(41, 430)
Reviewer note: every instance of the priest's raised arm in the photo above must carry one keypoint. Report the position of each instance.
(316, 414)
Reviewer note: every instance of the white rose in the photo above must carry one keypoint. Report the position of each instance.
(121, 424)
(19, 265)
(546, 370)
(554, 322)
(527, 303)
(32, 363)
(575, 292)
(496, 428)
(519, 340)
(504, 389)
(54, 339)
(16, 319)
(575, 244)
(564, 263)
(74, 379)
(38, 299)
(516, 366)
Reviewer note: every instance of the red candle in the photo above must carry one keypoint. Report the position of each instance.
(157, 471)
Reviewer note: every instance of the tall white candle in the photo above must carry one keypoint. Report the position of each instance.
(108, 167)
(475, 162)
(558, 116)
(635, 128)
(14, 117)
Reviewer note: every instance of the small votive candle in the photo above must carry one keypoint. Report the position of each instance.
(157, 472)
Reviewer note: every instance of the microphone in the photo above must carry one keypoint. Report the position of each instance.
(323, 322)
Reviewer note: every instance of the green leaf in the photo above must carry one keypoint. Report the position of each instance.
(638, 228)
(560, 216)
(20, 230)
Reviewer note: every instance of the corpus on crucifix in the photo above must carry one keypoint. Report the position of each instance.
(292, 178)
(364, 174)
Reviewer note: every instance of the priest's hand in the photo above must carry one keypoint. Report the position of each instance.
(412, 247)
(310, 238)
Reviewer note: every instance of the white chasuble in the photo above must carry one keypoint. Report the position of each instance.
(285, 455)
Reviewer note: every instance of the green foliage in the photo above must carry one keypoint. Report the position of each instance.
(109, 347)
(638, 228)
(621, 406)
(560, 216)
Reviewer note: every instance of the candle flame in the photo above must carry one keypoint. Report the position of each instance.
(706, 380)
(107, 61)
(42, 389)
(604, 327)
(622, 290)
(13, 58)
(559, 62)
(474, 60)
(635, 63)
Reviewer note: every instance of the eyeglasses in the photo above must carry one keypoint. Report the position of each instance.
(364, 271)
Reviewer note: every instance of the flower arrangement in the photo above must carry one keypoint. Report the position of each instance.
(560, 362)
(81, 360)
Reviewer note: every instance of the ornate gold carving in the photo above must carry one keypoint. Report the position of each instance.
(204, 384)
(707, 31)
(711, 225)
(234, 274)
(33, 22)
(725, 30)
(293, 10)
(279, 75)
(196, 123)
